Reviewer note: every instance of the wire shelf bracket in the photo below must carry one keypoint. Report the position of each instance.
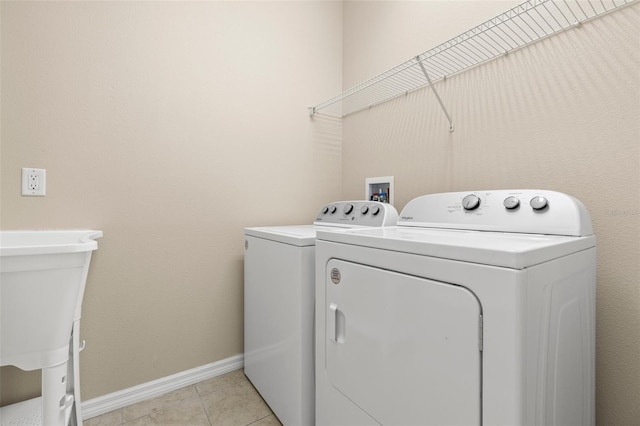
(520, 26)
(444, 109)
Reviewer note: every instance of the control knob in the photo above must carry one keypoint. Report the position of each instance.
(332, 209)
(511, 203)
(538, 203)
(364, 209)
(471, 202)
(375, 210)
(348, 208)
(325, 209)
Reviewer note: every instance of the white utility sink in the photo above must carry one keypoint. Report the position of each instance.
(43, 276)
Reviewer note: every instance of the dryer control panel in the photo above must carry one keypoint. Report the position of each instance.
(357, 213)
(521, 211)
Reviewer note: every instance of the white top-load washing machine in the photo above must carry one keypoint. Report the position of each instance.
(477, 308)
(279, 284)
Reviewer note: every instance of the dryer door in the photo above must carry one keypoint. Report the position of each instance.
(405, 350)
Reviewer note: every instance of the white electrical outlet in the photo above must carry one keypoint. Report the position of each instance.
(34, 182)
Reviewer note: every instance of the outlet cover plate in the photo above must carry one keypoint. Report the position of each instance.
(34, 182)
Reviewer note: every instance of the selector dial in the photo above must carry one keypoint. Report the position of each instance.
(348, 208)
(375, 210)
(471, 202)
(332, 209)
(364, 209)
(325, 210)
(511, 203)
(538, 203)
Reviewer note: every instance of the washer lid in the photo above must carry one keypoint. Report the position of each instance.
(297, 235)
(510, 250)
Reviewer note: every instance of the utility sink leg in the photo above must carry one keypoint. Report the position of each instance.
(54, 395)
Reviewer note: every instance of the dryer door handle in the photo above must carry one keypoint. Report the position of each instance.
(336, 324)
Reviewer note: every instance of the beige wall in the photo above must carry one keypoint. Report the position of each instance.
(563, 114)
(131, 106)
(170, 126)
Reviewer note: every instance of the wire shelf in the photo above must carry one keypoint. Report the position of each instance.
(520, 26)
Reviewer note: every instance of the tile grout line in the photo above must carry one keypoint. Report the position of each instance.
(204, 409)
(146, 414)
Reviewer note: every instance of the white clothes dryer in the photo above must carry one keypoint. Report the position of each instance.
(477, 308)
(279, 282)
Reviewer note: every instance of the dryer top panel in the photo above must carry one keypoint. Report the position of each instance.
(504, 249)
(521, 211)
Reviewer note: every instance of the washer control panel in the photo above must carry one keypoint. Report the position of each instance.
(357, 213)
(523, 211)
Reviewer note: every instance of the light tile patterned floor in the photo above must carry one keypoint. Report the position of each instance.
(229, 399)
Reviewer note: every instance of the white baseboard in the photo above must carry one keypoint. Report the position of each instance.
(103, 404)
